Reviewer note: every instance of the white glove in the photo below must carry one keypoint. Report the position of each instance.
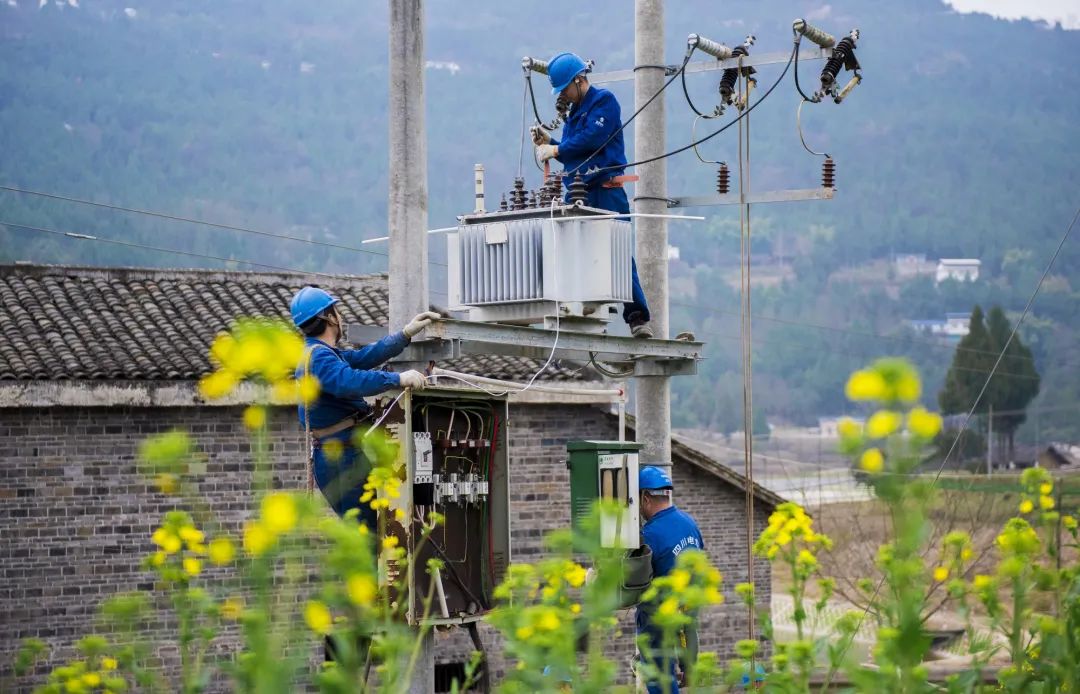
(421, 321)
(545, 152)
(539, 135)
(412, 379)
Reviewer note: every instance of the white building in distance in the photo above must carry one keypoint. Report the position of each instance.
(959, 269)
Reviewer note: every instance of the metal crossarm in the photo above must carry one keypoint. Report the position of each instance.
(450, 339)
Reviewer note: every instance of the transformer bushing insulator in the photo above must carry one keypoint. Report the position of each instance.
(517, 195)
(502, 203)
(577, 191)
(828, 173)
(723, 180)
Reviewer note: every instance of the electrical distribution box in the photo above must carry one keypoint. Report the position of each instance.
(606, 470)
(453, 457)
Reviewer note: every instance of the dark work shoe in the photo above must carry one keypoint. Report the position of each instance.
(639, 327)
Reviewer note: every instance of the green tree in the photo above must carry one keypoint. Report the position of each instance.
(1016, 381)
(971, 363)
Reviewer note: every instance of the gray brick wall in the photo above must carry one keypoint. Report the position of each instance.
(76, 518)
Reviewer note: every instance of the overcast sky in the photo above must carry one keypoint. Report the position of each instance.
(1064, 12)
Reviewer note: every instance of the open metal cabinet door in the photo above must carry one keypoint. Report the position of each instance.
(454, 463)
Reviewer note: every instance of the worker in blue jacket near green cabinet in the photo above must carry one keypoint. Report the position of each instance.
(346, 377)
(592, 145)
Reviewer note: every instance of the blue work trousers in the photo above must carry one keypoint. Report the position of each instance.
(341, 480)
(614, 199)
(656, 687)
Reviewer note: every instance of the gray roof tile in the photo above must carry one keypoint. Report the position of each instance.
(85, 323)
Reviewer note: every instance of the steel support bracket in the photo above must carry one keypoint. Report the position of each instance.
(451, 339)
(794, 195)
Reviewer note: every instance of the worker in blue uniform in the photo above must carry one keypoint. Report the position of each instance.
(668, 531)
(345, 377)
(592, 145)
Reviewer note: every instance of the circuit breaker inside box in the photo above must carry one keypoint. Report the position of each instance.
(455, 464)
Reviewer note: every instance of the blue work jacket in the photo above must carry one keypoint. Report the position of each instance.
(588, 126)
(669, 533)
(346, 377)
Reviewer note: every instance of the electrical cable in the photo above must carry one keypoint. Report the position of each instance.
(521, 145)
(798, 40)
(630, 120)
(610, 373)
(798, 125)
(963, 427)
(188, 220)
(912, 340)
(693, 134)
(159, 249)
(707, 137)
(689, 101)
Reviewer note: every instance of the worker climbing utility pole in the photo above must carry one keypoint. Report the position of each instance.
(407, 211)
(653, 406)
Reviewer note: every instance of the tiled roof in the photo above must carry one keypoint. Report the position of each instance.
(84, 323)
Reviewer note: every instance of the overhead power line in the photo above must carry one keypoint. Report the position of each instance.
(201, 222)
(848, 331)
(159, 249)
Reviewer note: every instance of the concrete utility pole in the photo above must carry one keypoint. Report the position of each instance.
(653, 402)
(408, 209)
(408, 204)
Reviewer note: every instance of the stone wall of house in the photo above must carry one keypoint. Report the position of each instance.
(76, 517)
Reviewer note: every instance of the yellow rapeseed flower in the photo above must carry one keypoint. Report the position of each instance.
(222, 550)
(872, 461)
(158, 558)
(307, 389)
(966, 553)
(231, 608)
(1069, 522)
(523, 633)
(865, 385)
(680, 579)
(317, 616)
(713, 596)
(254, 417)
(575, 608)
(848, 428)
(279, 513)
(91, 679)
(908, 386)
(882, 423)
(257, 539)
(1045, 488)
(192, 566)
(390, 542)
(941, 573)
(167, 540)
(1046, 502)
(217, 385)
(191, 535)
(333, 449)
(668, 607)
(548, 621)
(1026, 506)
(575, 575)
(361, 589)
(108, 663)
(167, 482)
(923, 423)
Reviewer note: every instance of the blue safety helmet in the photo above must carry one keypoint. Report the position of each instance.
(562, 69)
(308, 303)
(653, 478)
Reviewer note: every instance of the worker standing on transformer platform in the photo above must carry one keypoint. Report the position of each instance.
(668, 531)
(592, 139)
(345, 377)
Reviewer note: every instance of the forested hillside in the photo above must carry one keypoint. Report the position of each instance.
(963, 141)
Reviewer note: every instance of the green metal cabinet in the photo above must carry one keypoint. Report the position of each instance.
(606, 470)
